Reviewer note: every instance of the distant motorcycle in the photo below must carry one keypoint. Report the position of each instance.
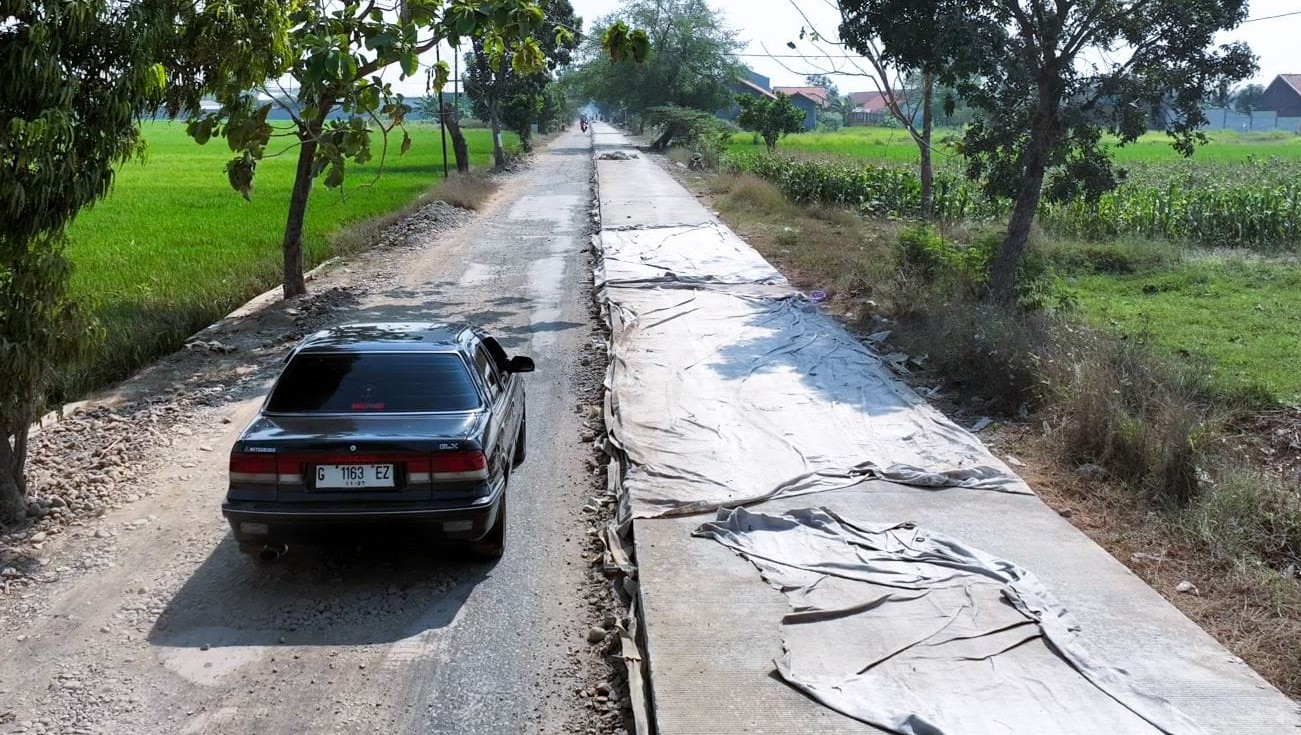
(582, 124)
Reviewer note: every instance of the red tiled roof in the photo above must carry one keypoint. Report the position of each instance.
(868, 101)
(817, 94)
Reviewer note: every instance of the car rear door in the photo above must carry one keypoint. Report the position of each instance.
(498, 442)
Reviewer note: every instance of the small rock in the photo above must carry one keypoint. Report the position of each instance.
(101, 533)
(1066, 512)
(596, 634)
(1013, 461)
(72, 684)
(1187, 588)
(1090, 470)
(204, 647)
(981, 425)
(37, 537)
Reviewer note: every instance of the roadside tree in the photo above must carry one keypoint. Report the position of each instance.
(1041, 75)
(504, 97)
(908, 92)
(329, 81)
(770, 118)
(75, 80)
(690, 61)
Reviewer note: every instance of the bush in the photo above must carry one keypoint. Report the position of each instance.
(1247, 514)
(989, 350)
(967, 266)
(686, 127)
(1116, 257)
(753, 194)
(1118, 406)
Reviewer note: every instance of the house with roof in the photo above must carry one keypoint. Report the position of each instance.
(1283, 96)
(810, 101)
(869, 108)
(746, 83)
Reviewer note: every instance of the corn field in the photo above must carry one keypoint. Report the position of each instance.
(1251, 204)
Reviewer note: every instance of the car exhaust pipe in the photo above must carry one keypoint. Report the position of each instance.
(272, 552)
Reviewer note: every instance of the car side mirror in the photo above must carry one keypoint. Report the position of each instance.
(520, 364)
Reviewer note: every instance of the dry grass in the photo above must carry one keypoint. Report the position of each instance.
(823, 248)
(1116, 405)
(1252, 609)
(467, 191)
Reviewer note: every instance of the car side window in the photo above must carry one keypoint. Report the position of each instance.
(488, 369)
(497, 353)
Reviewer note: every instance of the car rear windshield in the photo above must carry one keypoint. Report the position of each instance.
(375, 382)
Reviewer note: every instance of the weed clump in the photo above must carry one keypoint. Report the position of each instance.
(1117, 406)
(467, 191)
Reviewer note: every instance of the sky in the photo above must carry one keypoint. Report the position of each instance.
(767, 25)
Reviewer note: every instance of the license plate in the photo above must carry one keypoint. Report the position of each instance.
(336, 476)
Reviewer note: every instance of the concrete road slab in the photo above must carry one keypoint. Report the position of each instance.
(712, 624)
(638, 193)
(706, 253)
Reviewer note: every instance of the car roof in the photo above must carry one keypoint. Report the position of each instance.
(389, 337)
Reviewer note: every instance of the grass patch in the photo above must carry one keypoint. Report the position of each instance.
(1113, 257)
(1235, 318)
(174, 247)
(1246, 515)
(893, 145)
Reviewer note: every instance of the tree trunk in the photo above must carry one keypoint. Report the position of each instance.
(309, 132)
(459, 148)
(293, 242)
(494, 116)
(924, 148)
(13, 483)
(1002, 280)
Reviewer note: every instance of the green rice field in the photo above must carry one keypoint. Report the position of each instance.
(173, 247)
(1226, 302)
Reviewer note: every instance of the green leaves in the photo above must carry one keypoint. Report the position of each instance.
(239, 172)
(771, 118)
(622, 43)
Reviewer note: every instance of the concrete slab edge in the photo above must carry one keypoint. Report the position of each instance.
(620, 552)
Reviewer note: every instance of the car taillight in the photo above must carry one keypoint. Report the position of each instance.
(252, 468)
(466, 465)
(418, 470)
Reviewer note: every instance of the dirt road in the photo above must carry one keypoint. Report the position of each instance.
(138, 615)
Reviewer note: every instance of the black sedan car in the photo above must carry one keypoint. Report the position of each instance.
(417, 425)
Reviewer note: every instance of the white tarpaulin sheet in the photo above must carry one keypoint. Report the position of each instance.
(724, 396)
(707, 253)
(914, 633)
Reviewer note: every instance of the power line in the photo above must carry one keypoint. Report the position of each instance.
(798, 56)
(1272, 17)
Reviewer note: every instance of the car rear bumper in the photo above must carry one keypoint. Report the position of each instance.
(255, 523)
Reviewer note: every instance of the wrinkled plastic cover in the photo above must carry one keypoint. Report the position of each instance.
(918, 634)
(728, 387)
